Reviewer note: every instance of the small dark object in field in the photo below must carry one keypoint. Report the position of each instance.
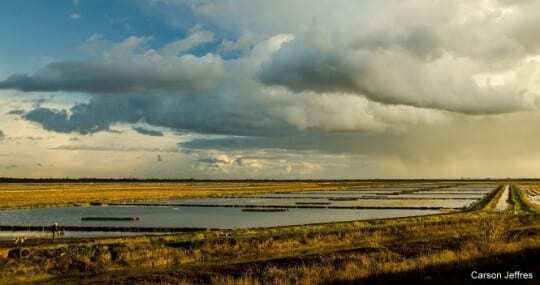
(313, 203)
(110, 218)
(264, 210)
(343, 199)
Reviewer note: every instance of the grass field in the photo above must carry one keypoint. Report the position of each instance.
(18, 195)
(441, 249)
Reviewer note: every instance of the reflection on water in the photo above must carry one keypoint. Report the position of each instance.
(205, 217)
(285, 201)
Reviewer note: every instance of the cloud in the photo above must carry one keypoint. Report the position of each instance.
(127, 67)
(221, 159)
(242, 162)
(33, 138)
(227, 163)
(237, 105)
(148, 132)
(201, 113)
(15, 112)
(74, 16)
(219, 162)
(243, 44)
(405, 53)
(80, 147)
(334, 143)
(332, 112)
(197, 36)
(337, 76)
(395, 61)
(60, 121)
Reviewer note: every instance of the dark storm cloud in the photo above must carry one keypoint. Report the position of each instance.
(218, 160)
(309, 70)
(408, 71)
(301, 66)
(59, 121)
(116, 77)
(148, 132)
(199, 113)
(335, 143)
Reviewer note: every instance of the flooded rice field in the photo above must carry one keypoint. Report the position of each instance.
(344, 202)
(260, 210)
(193, 217)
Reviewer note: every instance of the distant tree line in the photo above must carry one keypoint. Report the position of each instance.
(142, 180)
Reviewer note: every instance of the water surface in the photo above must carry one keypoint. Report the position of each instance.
(199, 217)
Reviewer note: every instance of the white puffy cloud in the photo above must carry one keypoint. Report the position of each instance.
(128, 66)
(347, 113)
(418, 53)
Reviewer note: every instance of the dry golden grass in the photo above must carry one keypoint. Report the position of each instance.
(354, 267)
(15, 195)
(350, 250)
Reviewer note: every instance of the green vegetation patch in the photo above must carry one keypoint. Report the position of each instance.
(521, 203)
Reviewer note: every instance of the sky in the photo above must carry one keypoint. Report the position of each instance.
(258, 89)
